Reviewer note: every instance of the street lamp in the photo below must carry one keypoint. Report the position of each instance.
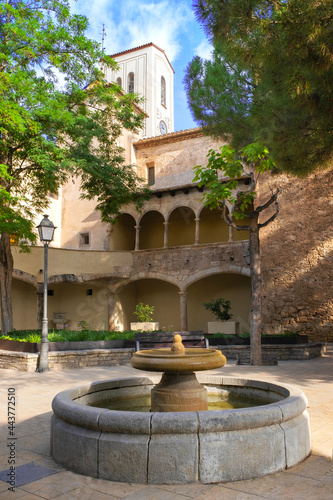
(46, 231)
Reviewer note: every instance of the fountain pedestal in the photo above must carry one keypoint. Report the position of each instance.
(179, 392)
(178, 389)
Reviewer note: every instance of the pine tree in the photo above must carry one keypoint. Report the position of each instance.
(270, 79)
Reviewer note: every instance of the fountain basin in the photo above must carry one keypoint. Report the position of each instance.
(179, 389)
(180, 447)
(164, 360)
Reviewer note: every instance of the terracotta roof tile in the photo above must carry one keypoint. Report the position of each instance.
(151, 44)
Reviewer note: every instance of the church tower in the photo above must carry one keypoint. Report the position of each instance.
(146, 71)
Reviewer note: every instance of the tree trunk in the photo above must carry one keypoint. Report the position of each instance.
(256, 318)
(6, 272)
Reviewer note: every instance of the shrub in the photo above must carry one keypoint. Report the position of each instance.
(144, 312)
(220, 308)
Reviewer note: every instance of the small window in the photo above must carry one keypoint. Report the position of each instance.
(89, 291)
(163, 91)
(130, 82)
(119, 82)
(84, 239)
(50, 293)
(151, 176)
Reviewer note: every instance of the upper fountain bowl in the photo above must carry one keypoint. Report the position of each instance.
(164, 360)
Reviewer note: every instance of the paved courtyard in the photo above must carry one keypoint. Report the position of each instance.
(39, 477)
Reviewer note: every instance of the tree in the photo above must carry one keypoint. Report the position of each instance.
(51, 131)
(236, 204)
(270, 79)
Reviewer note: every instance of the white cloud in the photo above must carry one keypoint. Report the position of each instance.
(204, 50)
(130, 23)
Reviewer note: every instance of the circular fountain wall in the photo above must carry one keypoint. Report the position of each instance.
(180, 447)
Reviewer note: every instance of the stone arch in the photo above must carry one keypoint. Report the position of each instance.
(157, 292)
(26, 277)
(224, 269)
(230, 285)
(122, 236)
(151, 230)
(181, 226)
(213, 227)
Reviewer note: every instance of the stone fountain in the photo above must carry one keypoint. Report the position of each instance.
(179, 389)
(179, 441)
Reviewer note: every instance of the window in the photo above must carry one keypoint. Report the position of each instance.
(130, 82)
(50, 293)
(151, 175)
(84, 239)
(163, 91)
(119, 81)
(89, 291)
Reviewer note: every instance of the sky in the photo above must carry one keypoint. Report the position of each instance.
(169, 24)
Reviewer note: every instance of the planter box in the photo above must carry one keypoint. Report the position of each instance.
(16, 346)
(229, 341)
(145, 327)
(228, 327)
(273, 340)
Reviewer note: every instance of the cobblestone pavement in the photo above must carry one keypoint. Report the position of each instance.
(42, 478)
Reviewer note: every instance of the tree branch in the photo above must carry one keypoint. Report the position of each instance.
(273, 216)
(230, 221)
(272, 199)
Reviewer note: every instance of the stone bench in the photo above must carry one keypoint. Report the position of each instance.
(145, 340)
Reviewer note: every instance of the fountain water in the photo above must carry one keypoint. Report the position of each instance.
(179, 441)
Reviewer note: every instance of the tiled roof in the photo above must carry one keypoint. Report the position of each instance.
(180, 134)
(151, 44)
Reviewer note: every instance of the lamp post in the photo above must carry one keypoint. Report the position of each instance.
(46, 232)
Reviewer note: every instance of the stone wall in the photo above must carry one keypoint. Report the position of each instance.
(297, 256)
(63, 360)
(185, 265)
(271, 354)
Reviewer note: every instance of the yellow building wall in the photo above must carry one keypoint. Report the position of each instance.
(233, 287)
(24, 305)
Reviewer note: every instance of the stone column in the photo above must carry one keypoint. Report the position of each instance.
(40, 305)
(231, 234)
(183, 311)
(111, 307)
(137, 237)
(166, 234)
(197, 230)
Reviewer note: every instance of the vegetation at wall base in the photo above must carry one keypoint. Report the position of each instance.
(34, 336)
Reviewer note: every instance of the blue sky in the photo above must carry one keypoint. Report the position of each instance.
(170, 24)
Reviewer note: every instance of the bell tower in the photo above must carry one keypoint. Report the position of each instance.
(146, 71)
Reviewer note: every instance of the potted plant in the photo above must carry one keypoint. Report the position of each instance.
(145, 322)
(220, 308)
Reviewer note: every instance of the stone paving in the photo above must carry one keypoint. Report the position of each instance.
(39, 477)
